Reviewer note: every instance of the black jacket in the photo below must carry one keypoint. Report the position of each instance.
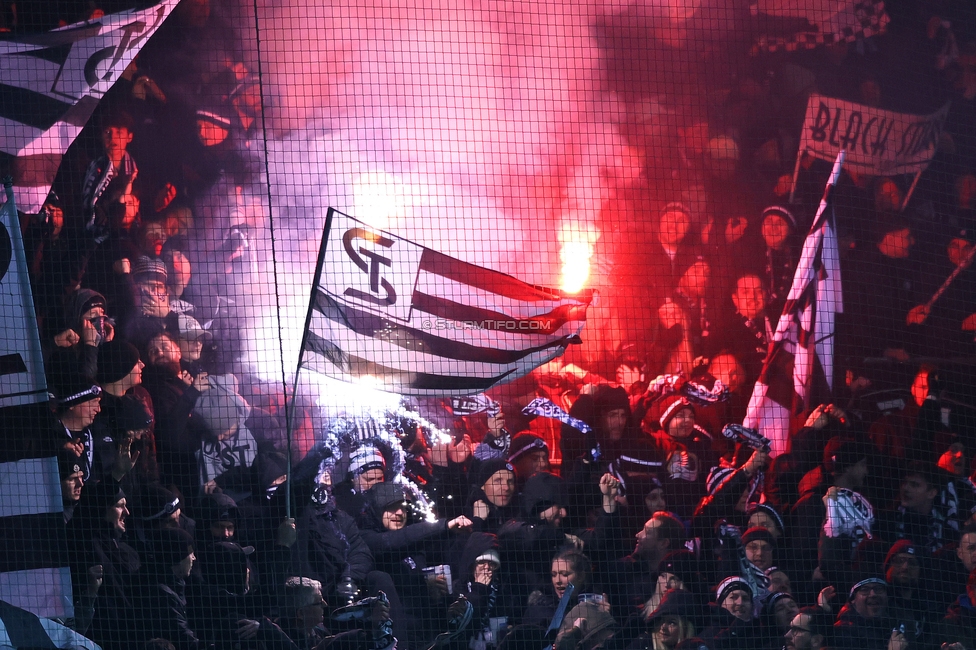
(161, 608)
(726, 632)
(330, 547)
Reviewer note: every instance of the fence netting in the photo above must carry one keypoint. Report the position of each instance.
(566, 324)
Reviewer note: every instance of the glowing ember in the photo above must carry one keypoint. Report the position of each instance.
(575, 250)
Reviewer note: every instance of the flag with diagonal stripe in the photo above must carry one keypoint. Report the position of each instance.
(411, 320)
(50, 84)
(799, 366)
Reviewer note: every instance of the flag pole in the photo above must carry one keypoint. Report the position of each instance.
(290, 406)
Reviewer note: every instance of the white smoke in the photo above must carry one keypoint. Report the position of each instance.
(479, 129)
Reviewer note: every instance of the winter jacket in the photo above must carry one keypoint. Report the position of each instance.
(161, 609)
(330, 547)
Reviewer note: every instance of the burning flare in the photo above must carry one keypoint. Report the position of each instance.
(575, 251)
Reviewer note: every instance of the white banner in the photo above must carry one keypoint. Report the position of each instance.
(878, 142)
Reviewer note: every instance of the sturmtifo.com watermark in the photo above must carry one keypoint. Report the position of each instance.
(505, 325)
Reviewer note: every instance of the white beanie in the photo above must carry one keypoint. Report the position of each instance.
(365, 458)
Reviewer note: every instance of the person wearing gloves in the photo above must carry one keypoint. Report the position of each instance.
(730, 488)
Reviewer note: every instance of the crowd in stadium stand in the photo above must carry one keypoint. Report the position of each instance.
(665, 533)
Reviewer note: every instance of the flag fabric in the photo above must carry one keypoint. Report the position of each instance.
(829, 22)
(20, 628)
(799, 363)
(33, 566)
(21, 363)
(397, 316)
(50, 84)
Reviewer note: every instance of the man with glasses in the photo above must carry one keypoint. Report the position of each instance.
(903, 570)
(809, 630)
(303, 620)
(864, 623)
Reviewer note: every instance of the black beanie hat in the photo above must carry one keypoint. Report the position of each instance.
(842, 452)
(101, 495)
(68, 464)
(758, 533)
(216, 507)
(682, 564)
(156, 502)
(487, 469)
(526, 443)
(676, 603)
(225, 565)
(169, 546)
(71, 389)
(542, 491)
(116, 359)
(608, 399)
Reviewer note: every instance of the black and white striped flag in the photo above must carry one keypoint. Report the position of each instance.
(33, 561)
(22, 629)
(406, 319)
(800, 364)
(50, 84)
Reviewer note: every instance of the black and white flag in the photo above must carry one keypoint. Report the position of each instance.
(406, 319)
(50, 84)
(33, 566)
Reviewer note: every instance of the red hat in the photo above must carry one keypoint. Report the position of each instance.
(901, 546)
(664, 410)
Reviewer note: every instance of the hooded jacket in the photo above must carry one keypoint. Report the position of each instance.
(95, 541)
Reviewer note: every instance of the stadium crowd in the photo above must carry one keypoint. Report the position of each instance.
(633, 516)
